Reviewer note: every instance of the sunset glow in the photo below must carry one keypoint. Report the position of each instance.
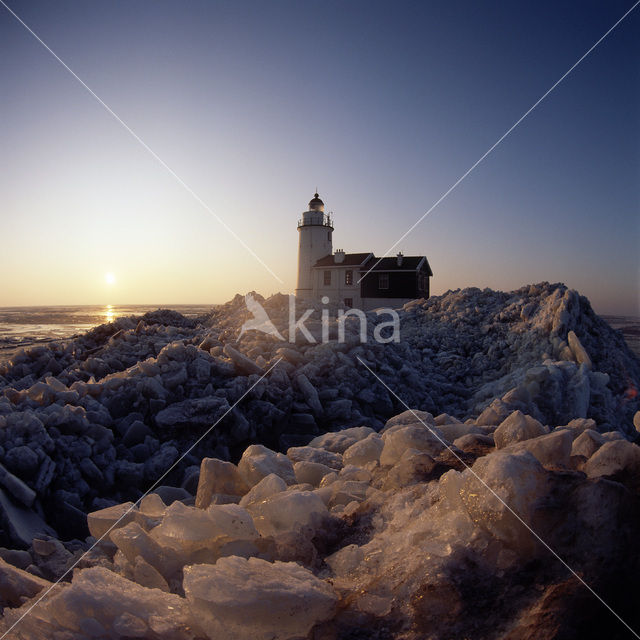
(383, 129)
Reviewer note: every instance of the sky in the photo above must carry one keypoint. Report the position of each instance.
(382, 106)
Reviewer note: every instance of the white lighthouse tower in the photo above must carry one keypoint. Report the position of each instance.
(314, 229)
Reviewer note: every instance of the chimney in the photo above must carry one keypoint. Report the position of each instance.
(338, 256)
(399, 258)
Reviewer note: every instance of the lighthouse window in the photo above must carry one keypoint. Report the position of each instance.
(348, 277)
(383, 281)
(329, 236)
(327, 278)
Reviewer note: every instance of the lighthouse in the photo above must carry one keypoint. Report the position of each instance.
(315, 229)
(353, 280)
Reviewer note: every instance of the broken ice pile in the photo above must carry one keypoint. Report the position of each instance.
(95, 421)
(400, 532)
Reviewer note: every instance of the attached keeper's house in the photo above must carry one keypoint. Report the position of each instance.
(357, 280)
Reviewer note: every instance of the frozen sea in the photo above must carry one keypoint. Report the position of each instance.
(26, 326)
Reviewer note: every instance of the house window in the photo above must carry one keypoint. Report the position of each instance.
(327, 278)
(348, 302)
(348, 277)
(383, 281)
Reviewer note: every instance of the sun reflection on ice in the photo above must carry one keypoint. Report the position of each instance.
(109, 314)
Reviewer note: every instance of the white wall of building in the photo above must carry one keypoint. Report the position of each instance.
(314, 242)
(337, 291)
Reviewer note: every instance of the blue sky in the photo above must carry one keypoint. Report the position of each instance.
(381, 105)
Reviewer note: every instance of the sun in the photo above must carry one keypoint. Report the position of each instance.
(109, 278)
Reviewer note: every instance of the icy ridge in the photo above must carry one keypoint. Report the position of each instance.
(96, 421)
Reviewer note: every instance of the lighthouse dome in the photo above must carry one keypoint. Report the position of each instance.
(315, 204)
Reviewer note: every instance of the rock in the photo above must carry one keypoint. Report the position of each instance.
(136, 544)
(169, 495)
(70, 521)
(516, 428)
(453, 431)
(218, 477)
(268, 486)
(614, 458)
(258, 462)
(91, 472)
(579, 352)
(310, 472)
(519, 483)
(200, 412)
(445, 418)
(16, 584)
(587, 443)
(20, 524)
(130, 474)
(52, 558)
(364, 451)
(119, 608)
(489, 417)
(475, 442)
(242, 364)
(105, 520)
(147, 576)
(22, 460)
(580, 425)
(314, 454)
(612, 435)
(345, 560)
(136, 433)
(310, 394)
(552, 449)
(413, 436)
(43, 547)
(45, 475)
(220, 596)
(338, 409)
(160, 463)
(340, 441)
(287, 511)
(413, 467)
(410, 417)
(18, 558)
(151, 387)
(16, 487)
(191, 535)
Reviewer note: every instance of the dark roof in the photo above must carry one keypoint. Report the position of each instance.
(409, 263)
(350, 259)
